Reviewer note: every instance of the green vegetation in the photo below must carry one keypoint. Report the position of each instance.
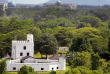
(85, 32)
(26, 70)
(3, 66)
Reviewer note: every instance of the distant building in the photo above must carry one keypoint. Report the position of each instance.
(64, 48)
(60, 5)
(3, 6)
(11, 5)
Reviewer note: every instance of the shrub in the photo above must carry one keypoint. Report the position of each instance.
(3, 66)
(26, 70)
(52, 72)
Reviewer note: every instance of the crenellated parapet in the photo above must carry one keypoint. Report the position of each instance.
(21, 41)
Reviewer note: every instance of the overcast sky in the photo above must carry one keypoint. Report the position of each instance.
(29, 1)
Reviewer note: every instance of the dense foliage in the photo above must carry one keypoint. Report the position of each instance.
(3, 66)
(86, 32)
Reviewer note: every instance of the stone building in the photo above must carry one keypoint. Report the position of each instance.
(60, 5)
(3, 6)
(23, 54)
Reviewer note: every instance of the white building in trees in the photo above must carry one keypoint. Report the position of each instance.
(61, 5)
(23, 52)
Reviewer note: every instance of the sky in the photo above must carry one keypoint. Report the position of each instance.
(29, 1)
(43, 1)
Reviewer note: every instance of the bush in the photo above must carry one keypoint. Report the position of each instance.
(73, 71)
(52, 72)
(26, 70)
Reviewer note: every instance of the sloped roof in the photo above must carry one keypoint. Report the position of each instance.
(26, 57)
(54, 57)
(7, 56)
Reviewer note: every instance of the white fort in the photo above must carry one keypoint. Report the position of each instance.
(23, 52)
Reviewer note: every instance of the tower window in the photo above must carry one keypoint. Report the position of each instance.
(14, 68)
(57, 67)
(42, 68)
(24, 47)
(52, 68)
(28, 54)
(21, 54)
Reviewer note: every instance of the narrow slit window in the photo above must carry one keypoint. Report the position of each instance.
(28, 54)
(24, 47)
(21, 54)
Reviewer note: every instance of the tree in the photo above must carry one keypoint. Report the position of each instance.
(80, 44)
(89, 39)
(26, 70)
(3, 66)
(95, 61)
(82, 59)
(63, 36)
(82, 24)
(73, 71)
(94, 21)
(46, 44)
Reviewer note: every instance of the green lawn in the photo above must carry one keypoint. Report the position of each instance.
(57, 72)
(38, 55)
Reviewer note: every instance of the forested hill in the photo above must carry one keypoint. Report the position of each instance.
(84, 2)
(86, 33)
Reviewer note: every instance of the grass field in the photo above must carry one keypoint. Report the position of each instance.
(57, 72)
(38, 55)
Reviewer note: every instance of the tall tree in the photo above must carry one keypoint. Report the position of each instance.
(46, 44)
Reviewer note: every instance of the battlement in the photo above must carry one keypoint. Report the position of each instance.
(21, 41)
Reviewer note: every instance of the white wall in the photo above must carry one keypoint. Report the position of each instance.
(63, 48)
(36, 66)
(18, 47)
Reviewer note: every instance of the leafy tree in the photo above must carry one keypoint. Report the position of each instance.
(89, 38)
(63, 36)
(95, 61)
(46, 44)
(3, 66)
(73, 71)
(64, 22)
(82, 24)
(82, 59)
(50, 17)
(94, 21)
(103, 16)
(80, 44)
